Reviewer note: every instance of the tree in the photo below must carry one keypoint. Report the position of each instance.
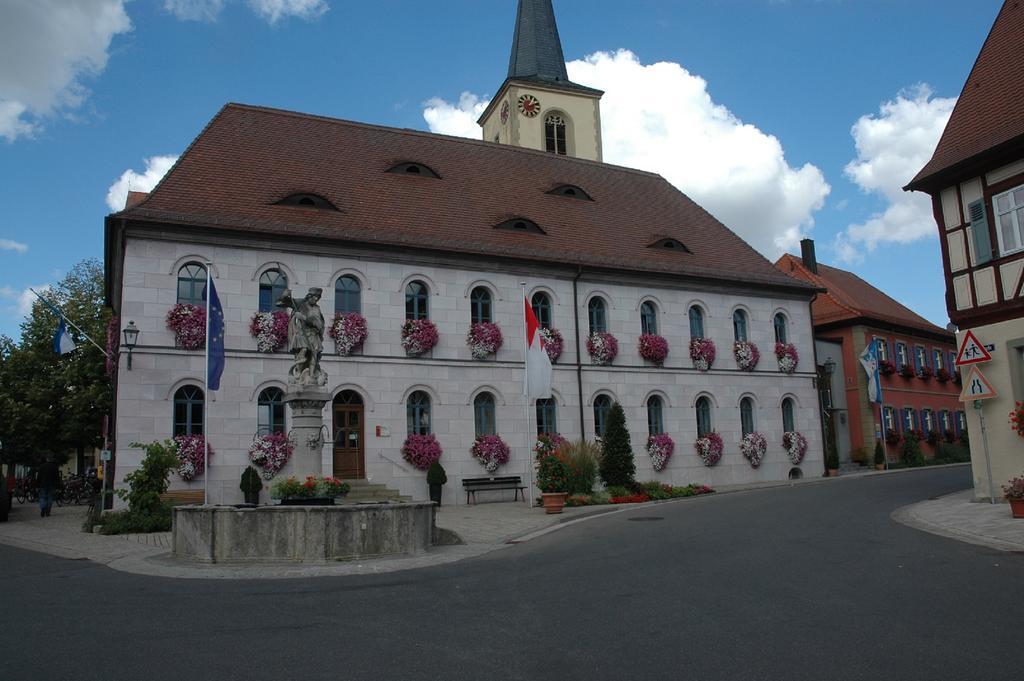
(53, 404)
(617, 467)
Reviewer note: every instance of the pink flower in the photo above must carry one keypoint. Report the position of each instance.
(653, 348)
(270, 453)
(491, 451)
(787, 356)
(795, 445)
(753, 447)
(188, 322)
(746, 354)
(553, 343)
(270, 329)
(702, 352)
(603, 347)
(660, 448)
(349, 332)
(418, 336)
(191, 456)
(421, 450)
(710, 448)
(484, 339)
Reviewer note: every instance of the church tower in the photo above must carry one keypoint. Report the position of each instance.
(538, 107)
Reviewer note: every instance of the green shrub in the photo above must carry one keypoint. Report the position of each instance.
(150, 479)
(581, 459)
(951, 453)
(132, 522)
(879, 453)
(618, 491)
(831, 456)
(436, 474)
(251, 482)
(552, 475)
(910, 451)
(617, 466)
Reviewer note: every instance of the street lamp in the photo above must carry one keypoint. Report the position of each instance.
(131, 338)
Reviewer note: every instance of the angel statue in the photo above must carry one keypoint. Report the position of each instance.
(305, 338)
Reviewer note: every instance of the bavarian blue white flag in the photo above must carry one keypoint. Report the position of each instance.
(869, 360)
(214, 340)
(62, 342)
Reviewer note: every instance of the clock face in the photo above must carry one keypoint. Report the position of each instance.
(529, 106)
(504, 112)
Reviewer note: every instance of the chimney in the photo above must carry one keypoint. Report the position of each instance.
(807, 255)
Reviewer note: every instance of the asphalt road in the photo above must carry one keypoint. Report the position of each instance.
(811, 582)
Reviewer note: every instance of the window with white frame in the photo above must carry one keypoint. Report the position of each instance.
(937, 358)
(947, 424)
(883, 349)
(890, 418)
(920, 358)
(1010, 219)
(901, 355)
(909, 419)
(929, 420)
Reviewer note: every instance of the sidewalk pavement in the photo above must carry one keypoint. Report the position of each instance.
(482, 528)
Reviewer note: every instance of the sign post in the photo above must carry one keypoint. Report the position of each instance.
(977, 389)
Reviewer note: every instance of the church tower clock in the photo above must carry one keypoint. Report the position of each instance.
(538, 107)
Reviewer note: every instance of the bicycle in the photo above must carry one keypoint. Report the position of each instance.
(25, 490)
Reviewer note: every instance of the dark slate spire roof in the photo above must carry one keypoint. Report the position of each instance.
(536, 48)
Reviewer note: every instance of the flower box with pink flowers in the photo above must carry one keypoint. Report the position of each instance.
(419, 336)
(484, 339)
(653, 348)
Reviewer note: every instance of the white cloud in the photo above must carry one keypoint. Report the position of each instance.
(274, 10)
(16, 246)
(892, 147)
(46, 48)
(21, 301)
(156, 168)
(195, 10)
(660, 118)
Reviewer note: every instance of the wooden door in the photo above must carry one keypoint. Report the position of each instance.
(349, 456)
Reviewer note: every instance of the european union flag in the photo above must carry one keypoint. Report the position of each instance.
(214, 340)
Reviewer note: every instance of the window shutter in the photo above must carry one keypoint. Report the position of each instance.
(979, 231)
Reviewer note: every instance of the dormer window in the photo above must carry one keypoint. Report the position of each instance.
(307, 201)
(413, 168)
(572, 191)
(670, 244)
(520, 225)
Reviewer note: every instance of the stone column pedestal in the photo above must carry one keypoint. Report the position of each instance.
(307, 432)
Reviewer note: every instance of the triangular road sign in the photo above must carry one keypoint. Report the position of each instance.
(976, 387)
(972, 351)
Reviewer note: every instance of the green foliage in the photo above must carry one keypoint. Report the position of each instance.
(131, 522)
(952, 453)
(618, 491)
(552, 475)
(150, 479)
(910, 451)
(52, 404)
(879, 453)
(581, 459)
(831, 456)
(617, 466)
(251, 482)
(436, 474)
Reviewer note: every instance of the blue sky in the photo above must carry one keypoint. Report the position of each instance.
(783, 117)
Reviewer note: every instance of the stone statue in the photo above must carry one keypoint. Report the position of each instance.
(305, 338)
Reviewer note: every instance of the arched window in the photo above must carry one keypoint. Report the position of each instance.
(192, 284)
(547, 416)
(781, 332)
(416, 299)
(598, 315)
(347, 295)
(648, 318)
(417, 413)
(747, 415)
(655, 420)
(554, 134)
(483, 415)
(188, 410)
(541, 304)
(602, 407)
(270, 411)
(696, 322)
(273, 284)
(703, 416)
(480, 305)
(788, 421)
(739, 325)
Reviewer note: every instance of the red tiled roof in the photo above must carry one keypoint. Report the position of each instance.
(248, 158)
(989, 110)
(850, 298)
(135, 198)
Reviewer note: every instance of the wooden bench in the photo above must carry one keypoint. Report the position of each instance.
(182, 497)
(474, 485)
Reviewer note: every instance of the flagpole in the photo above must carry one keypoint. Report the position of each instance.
(206, 399)
(881, 409)
(63, 316)
(526, 401)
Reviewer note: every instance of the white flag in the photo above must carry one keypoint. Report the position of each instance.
(538, 364)
(869, 360)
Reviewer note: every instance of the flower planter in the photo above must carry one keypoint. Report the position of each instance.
(833, 472)
(879, 466)
(1017, 507)
(436, 491)
(252, 498)
(554, 502)
(309, 501)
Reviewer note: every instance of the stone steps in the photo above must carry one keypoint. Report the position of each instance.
(363, 490)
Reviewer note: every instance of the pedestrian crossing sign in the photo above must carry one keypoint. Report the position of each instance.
(977, 387)
(972, 351)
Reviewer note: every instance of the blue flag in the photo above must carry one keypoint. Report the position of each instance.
(62, 343)
(869, 360)
(214, 340)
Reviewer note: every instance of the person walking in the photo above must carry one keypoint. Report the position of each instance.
(47, 480)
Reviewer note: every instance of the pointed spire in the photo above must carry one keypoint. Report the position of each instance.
(536, 48)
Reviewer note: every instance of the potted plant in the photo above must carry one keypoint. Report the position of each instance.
(436, 477)
(831, 460)
(1014, 493)
(251, 485)
(553, 480)
(315, 490)
(879, 456)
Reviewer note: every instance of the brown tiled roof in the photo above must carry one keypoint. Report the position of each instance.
(989, 111)
(135, 198)
(851, 298)
(248, 158)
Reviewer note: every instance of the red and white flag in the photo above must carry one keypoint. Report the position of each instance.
(538, 364)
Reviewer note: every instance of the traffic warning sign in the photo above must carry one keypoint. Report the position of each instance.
(977, 387)
(972, 351)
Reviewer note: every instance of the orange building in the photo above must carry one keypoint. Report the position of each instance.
(920, 388)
